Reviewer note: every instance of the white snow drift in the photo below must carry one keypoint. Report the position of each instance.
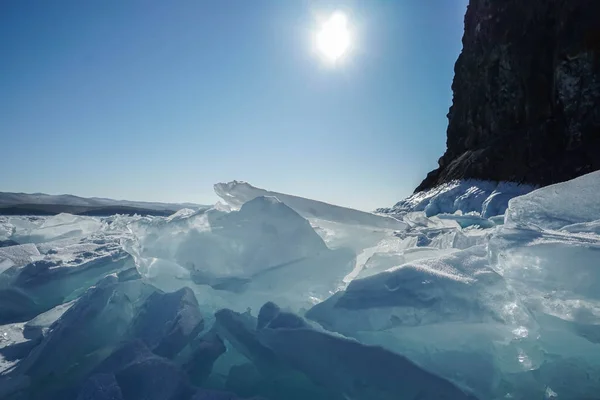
(483, 197)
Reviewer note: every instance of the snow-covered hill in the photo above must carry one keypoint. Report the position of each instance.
(8, 199)
(43, 204)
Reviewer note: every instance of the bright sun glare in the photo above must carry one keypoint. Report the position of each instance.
(333, 40)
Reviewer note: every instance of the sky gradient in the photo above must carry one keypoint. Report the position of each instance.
(156, 100)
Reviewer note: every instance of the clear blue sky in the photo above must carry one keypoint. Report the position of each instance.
(159, 100)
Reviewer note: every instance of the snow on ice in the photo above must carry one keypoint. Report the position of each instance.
(485, 198)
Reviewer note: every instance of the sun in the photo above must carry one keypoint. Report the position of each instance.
(333, 40)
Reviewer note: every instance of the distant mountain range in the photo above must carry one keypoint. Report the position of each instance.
(45, 204)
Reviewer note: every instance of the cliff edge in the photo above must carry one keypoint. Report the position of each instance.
(526, 94)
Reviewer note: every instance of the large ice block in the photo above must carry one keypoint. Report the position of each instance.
(236, 193)
(559, 205)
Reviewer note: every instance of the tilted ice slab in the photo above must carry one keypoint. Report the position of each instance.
(60, 226)
(41, 276)
(425, 237)
(356, 237)
(6, 228)
(484, 197)
(558, 206)
(39, 325)
(457, 287)
(522, 311)
(99, 318)
(280, 341)
(549, 250)
(10, 335)
(553, 265)
(266, 250)
(236, 193)
(264, 234)
(17, 255)
(453, 315)
(120, 307)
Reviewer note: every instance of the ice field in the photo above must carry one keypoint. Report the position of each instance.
(473, 290)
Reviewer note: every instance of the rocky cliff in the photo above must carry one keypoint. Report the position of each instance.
(526, 104)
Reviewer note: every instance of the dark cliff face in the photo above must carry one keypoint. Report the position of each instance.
(526, 104)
